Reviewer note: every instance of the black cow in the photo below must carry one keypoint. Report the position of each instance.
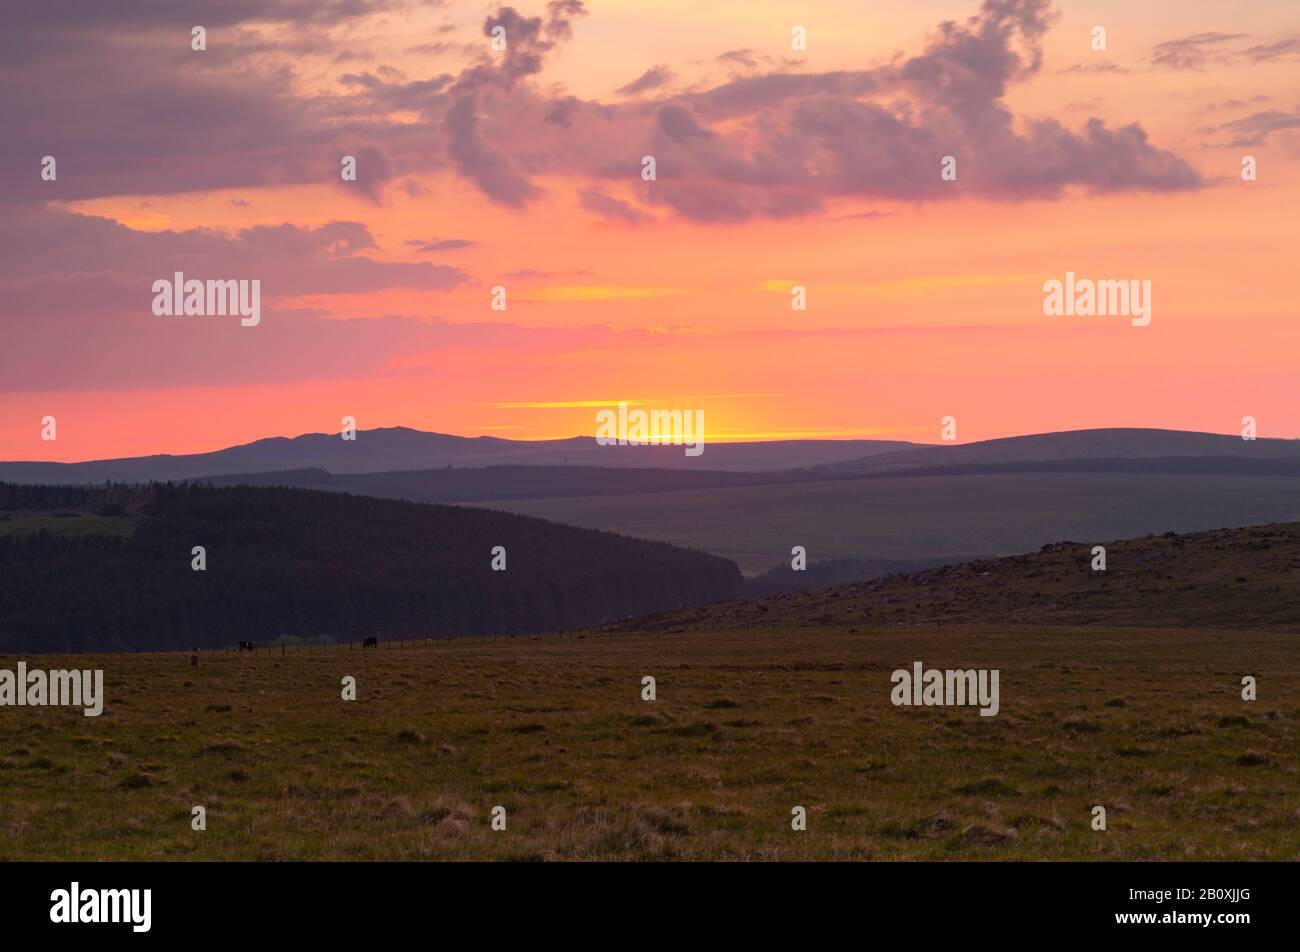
(370, 643)
(245, 646)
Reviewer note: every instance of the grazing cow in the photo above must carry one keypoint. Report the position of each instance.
(245, 646)
(370, 643)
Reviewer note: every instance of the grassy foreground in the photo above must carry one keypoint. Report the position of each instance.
(747, 725)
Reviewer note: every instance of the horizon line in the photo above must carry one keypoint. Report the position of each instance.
(734, 440)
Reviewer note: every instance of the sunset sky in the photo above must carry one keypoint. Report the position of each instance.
(775, 167)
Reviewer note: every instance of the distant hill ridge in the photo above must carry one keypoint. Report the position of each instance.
(402, 448)
(399, 462)
(1111, 444)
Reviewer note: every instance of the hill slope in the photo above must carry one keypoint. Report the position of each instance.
(311, 564)
(1228, 578)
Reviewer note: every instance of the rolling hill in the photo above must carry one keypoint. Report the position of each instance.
(110, 569)
(1236, 579)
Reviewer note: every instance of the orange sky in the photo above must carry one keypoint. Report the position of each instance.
(919, 305)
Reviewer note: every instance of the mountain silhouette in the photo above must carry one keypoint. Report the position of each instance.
(401, 448)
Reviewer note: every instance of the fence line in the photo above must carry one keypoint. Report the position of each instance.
(310, 647)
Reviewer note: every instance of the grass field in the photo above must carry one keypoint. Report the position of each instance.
(747, 725)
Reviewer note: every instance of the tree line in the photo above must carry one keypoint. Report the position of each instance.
(307, 564)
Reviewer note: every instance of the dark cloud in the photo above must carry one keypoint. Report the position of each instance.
(533, 274)
(78, 293)
(1194, 52)
(752, 94)
(776, 144)
(493, 170)
(744, 57)
(1202, 50)
(48, 245)
(118, 125)
(561, 111)
(1256, 128)
(655, 77)
(373, 170)
(561, 14)
(863, 216)
(1095, 69)
(58, 15)
(1288, 48)
(1228, 104)
(611, 208)
(528, 39)
(435, 244)
(882, 132)
(441, 46)
(793, 140)
(114, 92)
(679, 125)
(747, 59)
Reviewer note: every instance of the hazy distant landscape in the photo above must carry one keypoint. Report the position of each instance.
(838, 500)
(924, 517)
